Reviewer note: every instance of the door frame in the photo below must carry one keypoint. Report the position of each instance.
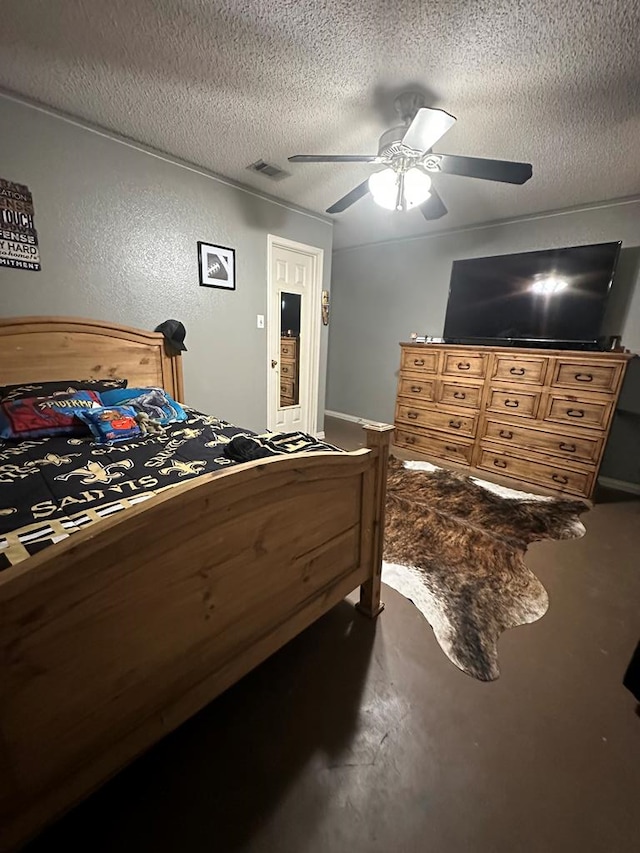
(315, 291)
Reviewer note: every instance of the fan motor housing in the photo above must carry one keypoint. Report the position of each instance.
(391, 141)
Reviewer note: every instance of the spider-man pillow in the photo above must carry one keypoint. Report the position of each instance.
(109, 424)
(32, 417)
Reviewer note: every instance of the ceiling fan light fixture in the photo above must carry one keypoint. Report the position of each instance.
(383, 186)
(417, 188)
(400, 190)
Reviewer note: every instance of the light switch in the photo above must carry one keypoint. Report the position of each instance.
(260, 321)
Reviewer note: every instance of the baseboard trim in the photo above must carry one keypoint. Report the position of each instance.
(320, 434)
(620, 485)
(343, 416)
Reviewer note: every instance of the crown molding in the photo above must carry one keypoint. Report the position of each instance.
(159, 155)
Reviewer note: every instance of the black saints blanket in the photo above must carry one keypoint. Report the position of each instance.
(53, 487)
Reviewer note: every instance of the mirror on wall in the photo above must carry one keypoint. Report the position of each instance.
(290, 309)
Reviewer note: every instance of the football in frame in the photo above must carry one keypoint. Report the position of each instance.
(217, 266)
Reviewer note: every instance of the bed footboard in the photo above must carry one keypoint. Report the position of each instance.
(115, 636)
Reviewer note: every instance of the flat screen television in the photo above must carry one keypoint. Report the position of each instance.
(553, 298)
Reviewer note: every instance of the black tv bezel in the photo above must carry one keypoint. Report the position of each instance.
(597, 344)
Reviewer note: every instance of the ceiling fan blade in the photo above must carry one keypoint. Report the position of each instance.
(350, 198)
(505, 171)
(334, 158)
(426, 128)
(433, 207)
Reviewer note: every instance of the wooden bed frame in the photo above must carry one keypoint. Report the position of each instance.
(115, 636)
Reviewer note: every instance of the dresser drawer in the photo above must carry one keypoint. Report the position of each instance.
(453, 423)
(288, 369)
(418, 361)
(568, 447)
(419, 389)
(464, 364)
(536, 471)
(523, 404)
(587, 376)
(286, 387)
(288, 350)
(584, 412)
(435, 445)
(510, 368)
(456, 394)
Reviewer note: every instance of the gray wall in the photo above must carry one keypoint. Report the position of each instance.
(118, 228)
(383, 292)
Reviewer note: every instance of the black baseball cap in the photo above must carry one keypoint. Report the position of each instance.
(174, 332)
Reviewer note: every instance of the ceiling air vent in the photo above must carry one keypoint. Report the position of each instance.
(268, 170)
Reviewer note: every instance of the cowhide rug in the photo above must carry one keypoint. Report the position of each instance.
(455, 547)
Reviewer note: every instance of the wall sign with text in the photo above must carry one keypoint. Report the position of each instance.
(18, 235)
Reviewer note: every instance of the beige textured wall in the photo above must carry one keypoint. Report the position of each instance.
(118, 228)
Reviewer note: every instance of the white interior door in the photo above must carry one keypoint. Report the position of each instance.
(295, 281)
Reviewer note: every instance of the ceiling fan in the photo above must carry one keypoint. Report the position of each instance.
(405, 151)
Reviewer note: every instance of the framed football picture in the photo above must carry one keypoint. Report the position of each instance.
(217, 266)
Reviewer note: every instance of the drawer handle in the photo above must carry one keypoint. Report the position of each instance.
(499, 463)
(416, 389)
(511, 404)
(459, 395)
(412, 415)
(419, 362)
(570, 448)
(451, 448)
(464, 365)
(455, 424)
(505, 433)
(584, 377)
(516, 371)
(557, 478)
(575, 413)
(409, 439)
(285, 369)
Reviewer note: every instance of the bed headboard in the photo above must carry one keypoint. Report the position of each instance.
(44, 349)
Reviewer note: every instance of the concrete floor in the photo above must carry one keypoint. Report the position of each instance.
(362, 737)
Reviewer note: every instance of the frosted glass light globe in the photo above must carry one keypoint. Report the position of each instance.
(384, 188)
(417, 187)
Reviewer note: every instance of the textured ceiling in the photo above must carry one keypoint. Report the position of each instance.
(222, 84)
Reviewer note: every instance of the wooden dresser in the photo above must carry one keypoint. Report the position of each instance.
(540, 417)
(289, 361)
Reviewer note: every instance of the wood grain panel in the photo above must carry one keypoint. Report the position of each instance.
(518, 403)
(435, 444)
(418, 389)
(416, 361)
(570, 446)
(587, 375)
(535, 470)
(288, 349)
(457, 394)
(464, 364)
(580, 411)
(41, 349)
(529, 370)
(458, 423)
